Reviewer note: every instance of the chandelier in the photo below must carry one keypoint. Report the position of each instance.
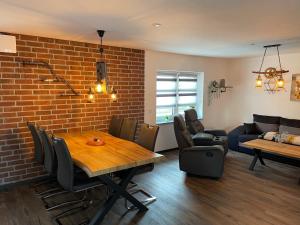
(273, 77)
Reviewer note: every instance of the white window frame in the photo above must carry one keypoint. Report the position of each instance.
(199, 92)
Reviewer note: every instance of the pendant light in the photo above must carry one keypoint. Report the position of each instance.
(273, 77)
(91, 96)
(113, 95)
(101, 85)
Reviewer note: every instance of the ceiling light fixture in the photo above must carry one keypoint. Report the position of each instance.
(274, 77)
(156, 25)
(101, 83)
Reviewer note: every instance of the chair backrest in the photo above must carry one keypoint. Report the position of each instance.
(128, 129)
(192, 122)
(115, 126)
(147, 136)
(65, 167)
(37, 141)
(182, 134)
(50, 161)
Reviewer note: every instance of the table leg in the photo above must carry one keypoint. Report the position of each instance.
(254, 160)
(260, 158)
(257, 155)
(118, 190)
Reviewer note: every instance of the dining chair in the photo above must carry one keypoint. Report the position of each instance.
(128, 129)
(147, 139)
(115, 126)
(38, 146)
(38, 154)
(69, 180)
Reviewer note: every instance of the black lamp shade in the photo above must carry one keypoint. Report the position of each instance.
(101, 70)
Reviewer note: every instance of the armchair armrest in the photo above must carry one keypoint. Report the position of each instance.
(216, 132)
(212, 148)
(202, 160)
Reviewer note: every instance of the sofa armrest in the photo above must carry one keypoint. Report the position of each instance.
(203, 139)
(247, 137)
(233, 137)
(216, 132)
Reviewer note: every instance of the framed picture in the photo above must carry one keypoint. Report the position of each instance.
(295, 89)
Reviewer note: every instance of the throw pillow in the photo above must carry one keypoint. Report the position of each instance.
(270, 136)
(250, 128)
(292, 139)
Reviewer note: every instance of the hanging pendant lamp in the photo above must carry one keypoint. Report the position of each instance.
(273, 77)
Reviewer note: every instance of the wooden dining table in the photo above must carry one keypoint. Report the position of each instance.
(100, 161)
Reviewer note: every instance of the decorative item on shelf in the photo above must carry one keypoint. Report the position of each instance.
(295, 89)
(91, 96)
(55, 78)
(273, 77)
(215, 89)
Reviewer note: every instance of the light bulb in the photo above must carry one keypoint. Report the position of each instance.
(98, 87)
(258, 81)
(113, 97)
(91, 96)
(280, 83)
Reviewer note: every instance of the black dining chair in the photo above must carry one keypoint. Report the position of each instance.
(38, 155)
(68, 179)
(128, 129)
(147, 139)
(115, 126)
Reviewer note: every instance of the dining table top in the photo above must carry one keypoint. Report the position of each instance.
(114, 155)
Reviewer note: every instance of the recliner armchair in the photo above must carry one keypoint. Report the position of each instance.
(205, 161)
(201, 136)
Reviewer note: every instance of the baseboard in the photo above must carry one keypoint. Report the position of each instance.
(23, 182)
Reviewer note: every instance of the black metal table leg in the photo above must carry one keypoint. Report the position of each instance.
(260, 158)
(253, 161)
(257, 155)
(118, 190)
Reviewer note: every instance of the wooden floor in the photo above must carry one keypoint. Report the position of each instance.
(268, 195)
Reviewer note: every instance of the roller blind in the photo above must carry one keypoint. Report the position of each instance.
(176, 92)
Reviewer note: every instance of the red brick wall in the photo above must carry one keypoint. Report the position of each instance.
(25, 98)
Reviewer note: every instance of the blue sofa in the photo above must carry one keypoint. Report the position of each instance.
(264, 124)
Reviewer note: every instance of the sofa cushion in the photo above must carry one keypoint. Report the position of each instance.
(250, 128)
(291, 126)
(266, 123)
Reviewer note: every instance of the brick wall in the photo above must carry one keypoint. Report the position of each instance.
(25, 98)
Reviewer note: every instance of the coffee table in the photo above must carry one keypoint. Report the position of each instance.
(261, 145)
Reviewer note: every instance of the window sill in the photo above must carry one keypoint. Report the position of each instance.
(164, 123)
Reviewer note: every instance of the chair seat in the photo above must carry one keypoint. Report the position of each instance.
(82, 181)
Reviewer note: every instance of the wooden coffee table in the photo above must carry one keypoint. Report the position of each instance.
(260, 145)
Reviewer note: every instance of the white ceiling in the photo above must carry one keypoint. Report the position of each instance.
(222, 28)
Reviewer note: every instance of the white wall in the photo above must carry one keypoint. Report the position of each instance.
(245, 99)
(215, 115)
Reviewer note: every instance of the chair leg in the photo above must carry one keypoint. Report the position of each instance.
(67, 203)
(49, 191)
(69, 212)
(54, 194)
(150, 198)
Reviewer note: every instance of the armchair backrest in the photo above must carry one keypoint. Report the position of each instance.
(194, 125)
(183, 136)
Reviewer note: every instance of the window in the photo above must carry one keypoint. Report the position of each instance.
(176, 92)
